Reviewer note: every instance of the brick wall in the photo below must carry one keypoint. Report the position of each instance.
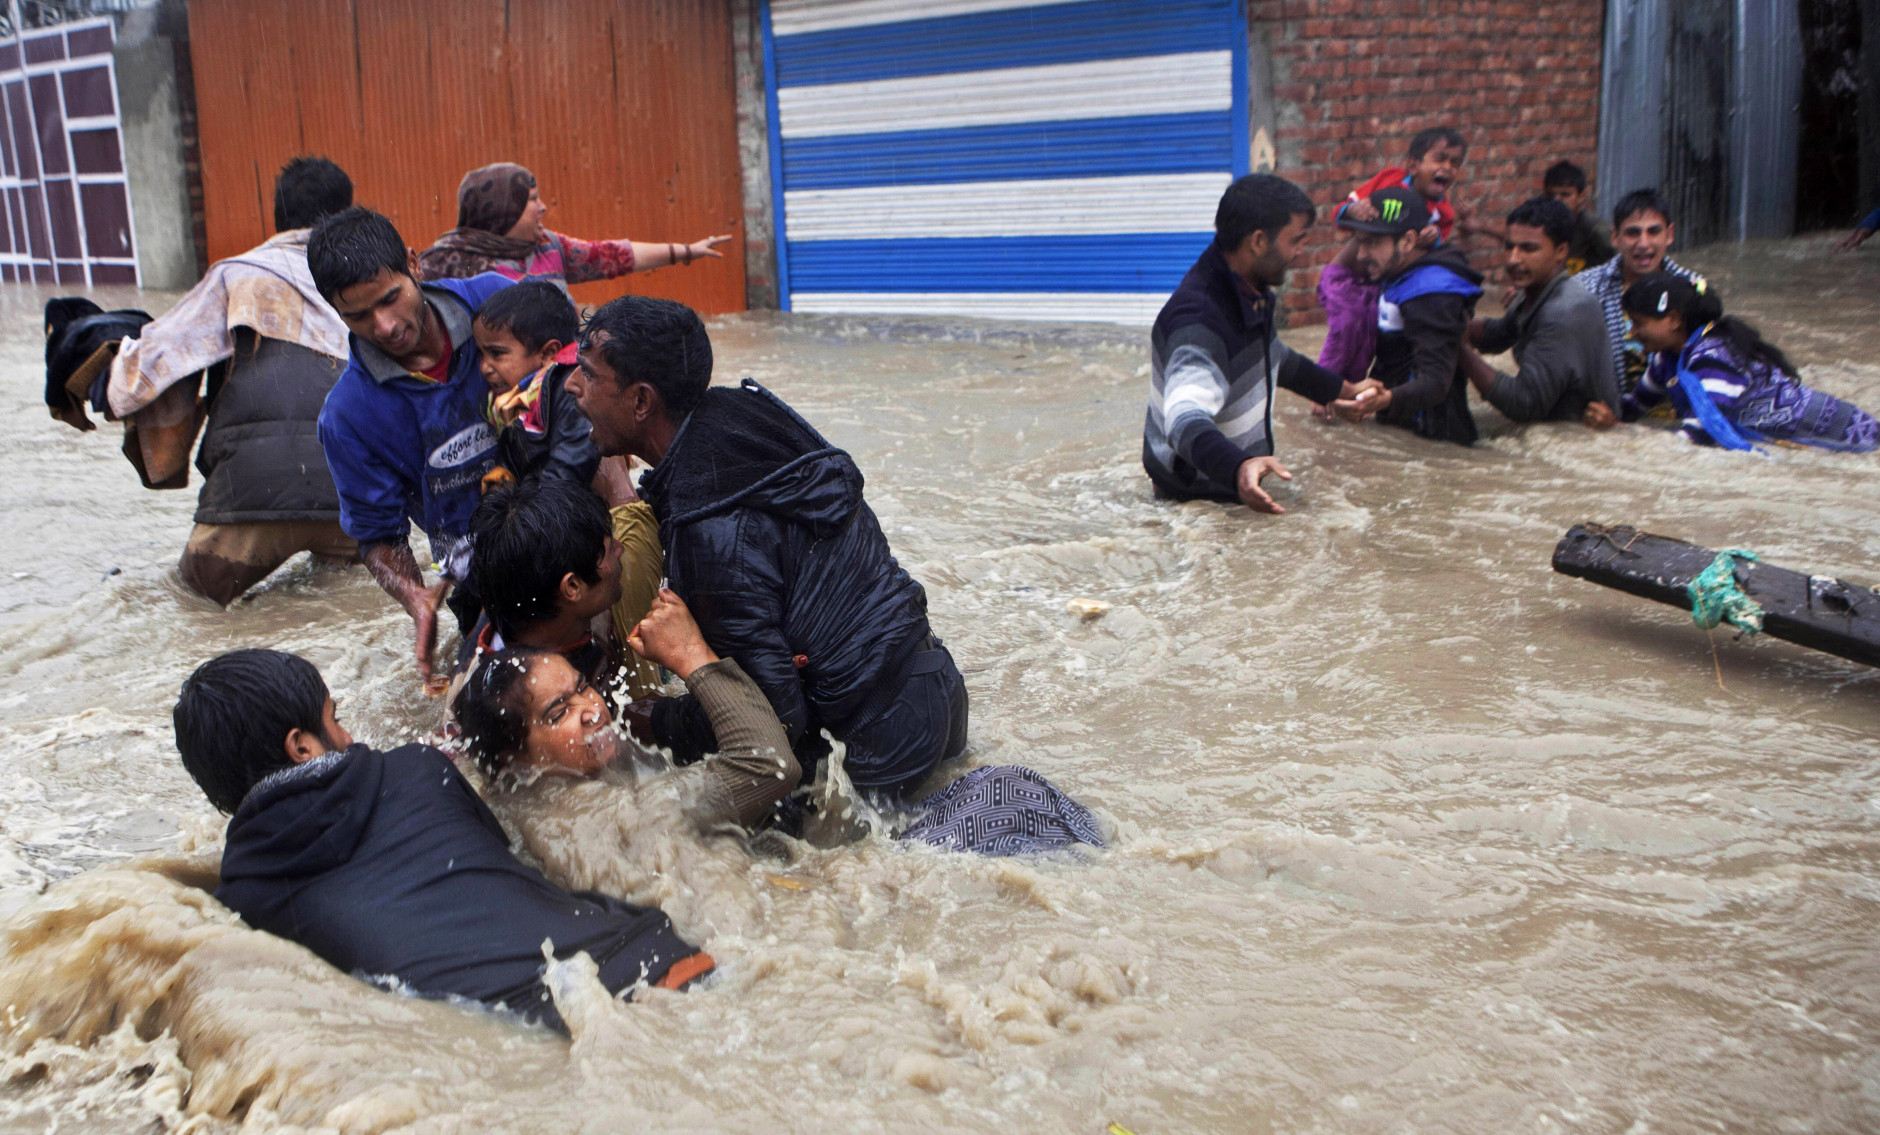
(1354, 79)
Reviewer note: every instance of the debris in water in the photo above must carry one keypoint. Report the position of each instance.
(1087, 608)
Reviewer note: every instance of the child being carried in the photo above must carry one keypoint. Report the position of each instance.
(526, 335)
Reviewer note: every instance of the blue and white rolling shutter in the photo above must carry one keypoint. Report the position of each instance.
(1023, 160)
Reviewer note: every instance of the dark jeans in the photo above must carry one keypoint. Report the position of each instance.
(924, 723)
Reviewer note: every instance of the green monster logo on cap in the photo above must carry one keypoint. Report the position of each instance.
(1392, 209)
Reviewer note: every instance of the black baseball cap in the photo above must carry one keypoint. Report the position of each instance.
(1400, 210)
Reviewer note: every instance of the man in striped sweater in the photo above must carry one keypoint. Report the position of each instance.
(1216, 358)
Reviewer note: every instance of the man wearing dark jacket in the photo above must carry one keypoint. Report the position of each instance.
(1215, 356)
(769, 542)
(388, 865)
(1427, 300)
(1554, 326)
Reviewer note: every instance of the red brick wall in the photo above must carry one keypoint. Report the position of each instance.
(1354, 79)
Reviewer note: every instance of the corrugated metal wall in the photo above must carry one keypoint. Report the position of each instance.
(1001, 157)
(624, 109)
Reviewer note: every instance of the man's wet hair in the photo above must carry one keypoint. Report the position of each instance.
(1258, 202)
(659, 342)
(525, 539)
(352, 246)
(1426, 139)
(492, 708)
(307, 191)
(1546, 214)
(233, 716)
(1640, 201)
(1564, 174)
(536, 312)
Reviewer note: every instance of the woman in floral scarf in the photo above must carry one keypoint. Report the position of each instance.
(499, 229)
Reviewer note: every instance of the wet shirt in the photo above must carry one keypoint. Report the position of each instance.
(566, 260)
(405, 449)
(1607, 283)
(1588, 246)
(1421, 314)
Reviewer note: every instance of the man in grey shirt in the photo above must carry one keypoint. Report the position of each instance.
(1554, 325)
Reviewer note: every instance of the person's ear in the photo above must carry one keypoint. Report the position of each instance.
(1671, 233)
(303, 745)
(571, 588)
(1257, 243)
(411, 265)
(550, 349)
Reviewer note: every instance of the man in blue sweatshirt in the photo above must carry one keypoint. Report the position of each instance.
(403, 430)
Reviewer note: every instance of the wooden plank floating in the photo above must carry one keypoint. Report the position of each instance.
(1824, 614)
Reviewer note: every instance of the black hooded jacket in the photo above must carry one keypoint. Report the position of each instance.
(782, 563)
(390, 865)
(1422, 313)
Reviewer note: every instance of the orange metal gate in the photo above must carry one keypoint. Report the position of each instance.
(624, 109)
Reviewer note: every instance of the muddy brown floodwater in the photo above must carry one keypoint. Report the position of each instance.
(1410, 834)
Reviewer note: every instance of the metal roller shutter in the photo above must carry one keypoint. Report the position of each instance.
(989, 157)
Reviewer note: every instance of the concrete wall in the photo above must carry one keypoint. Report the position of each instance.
(1352, 80)
(151, 109)
(760, 249)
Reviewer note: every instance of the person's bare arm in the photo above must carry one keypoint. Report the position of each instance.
(396, 570)
(651, 254)
(1481, 375)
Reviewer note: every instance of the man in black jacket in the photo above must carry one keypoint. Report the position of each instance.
(388, 865)
(1427, 300)
(769, 542)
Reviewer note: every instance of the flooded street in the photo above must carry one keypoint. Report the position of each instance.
(1410, 834)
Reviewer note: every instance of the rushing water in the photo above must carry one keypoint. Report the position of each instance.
(1410, 833)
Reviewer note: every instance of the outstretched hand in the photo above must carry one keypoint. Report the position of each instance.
(668, 636)
(1252, 495)
(1853, 240)
(708, 247)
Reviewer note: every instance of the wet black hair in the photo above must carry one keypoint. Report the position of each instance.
(1564, 173)
(1661, 292)
(659, 342)
(233, 716)
(307, 190)
(1546, 214)
(1258, 202)
(1640, 201)
(492, 707)
(1425, 139)
(536, 312)
(352, 246)
(526, 539)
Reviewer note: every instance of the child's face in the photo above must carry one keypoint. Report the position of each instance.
(1439, 168)
(1572, 198)
(1658, 332)
(505, 362)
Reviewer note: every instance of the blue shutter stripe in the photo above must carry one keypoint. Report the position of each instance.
(1054, 160)
(1101, 147)
(1024, 37)
(1126, 262)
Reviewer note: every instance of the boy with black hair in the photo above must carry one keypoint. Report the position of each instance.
(1425, 300)
(1588, 248)
(1553, 325)
(1350, 302)
(388, 865)
(403, 429)
(1643, 232)
(526, 337)
(1216, 360)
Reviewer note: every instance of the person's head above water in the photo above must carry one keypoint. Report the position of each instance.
(645, 364)
(1666, 310)
(1642, 232)
(1260, 225)
(1540, 232)
(308, 190)
(521, 329)
(526, 709)
(1436, 156)
(362, 267)
(1565, 182)
(1389, 242)
(543, 560)
(502, 199)
(248, 714)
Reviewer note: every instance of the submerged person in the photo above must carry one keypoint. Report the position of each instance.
(403, 429)
(1554, 326)
(769, 541)
(261, 347)
(499, 229)
(1216, 360)
(388, 865)
(1426, 300)
(1728, 386)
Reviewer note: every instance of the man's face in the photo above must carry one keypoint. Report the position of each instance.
(1269, 265)
(595, 598)
(610, 405)
(1572, 198)
(1533, 257)
(386, 311)
(1642, 240)
(1439, 168)
(1380, 255)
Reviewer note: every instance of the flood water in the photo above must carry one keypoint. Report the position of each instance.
(1410, 834)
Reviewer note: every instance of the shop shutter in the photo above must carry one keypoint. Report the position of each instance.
(1053, 161)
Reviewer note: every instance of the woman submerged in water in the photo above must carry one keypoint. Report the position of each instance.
(1729, 386)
